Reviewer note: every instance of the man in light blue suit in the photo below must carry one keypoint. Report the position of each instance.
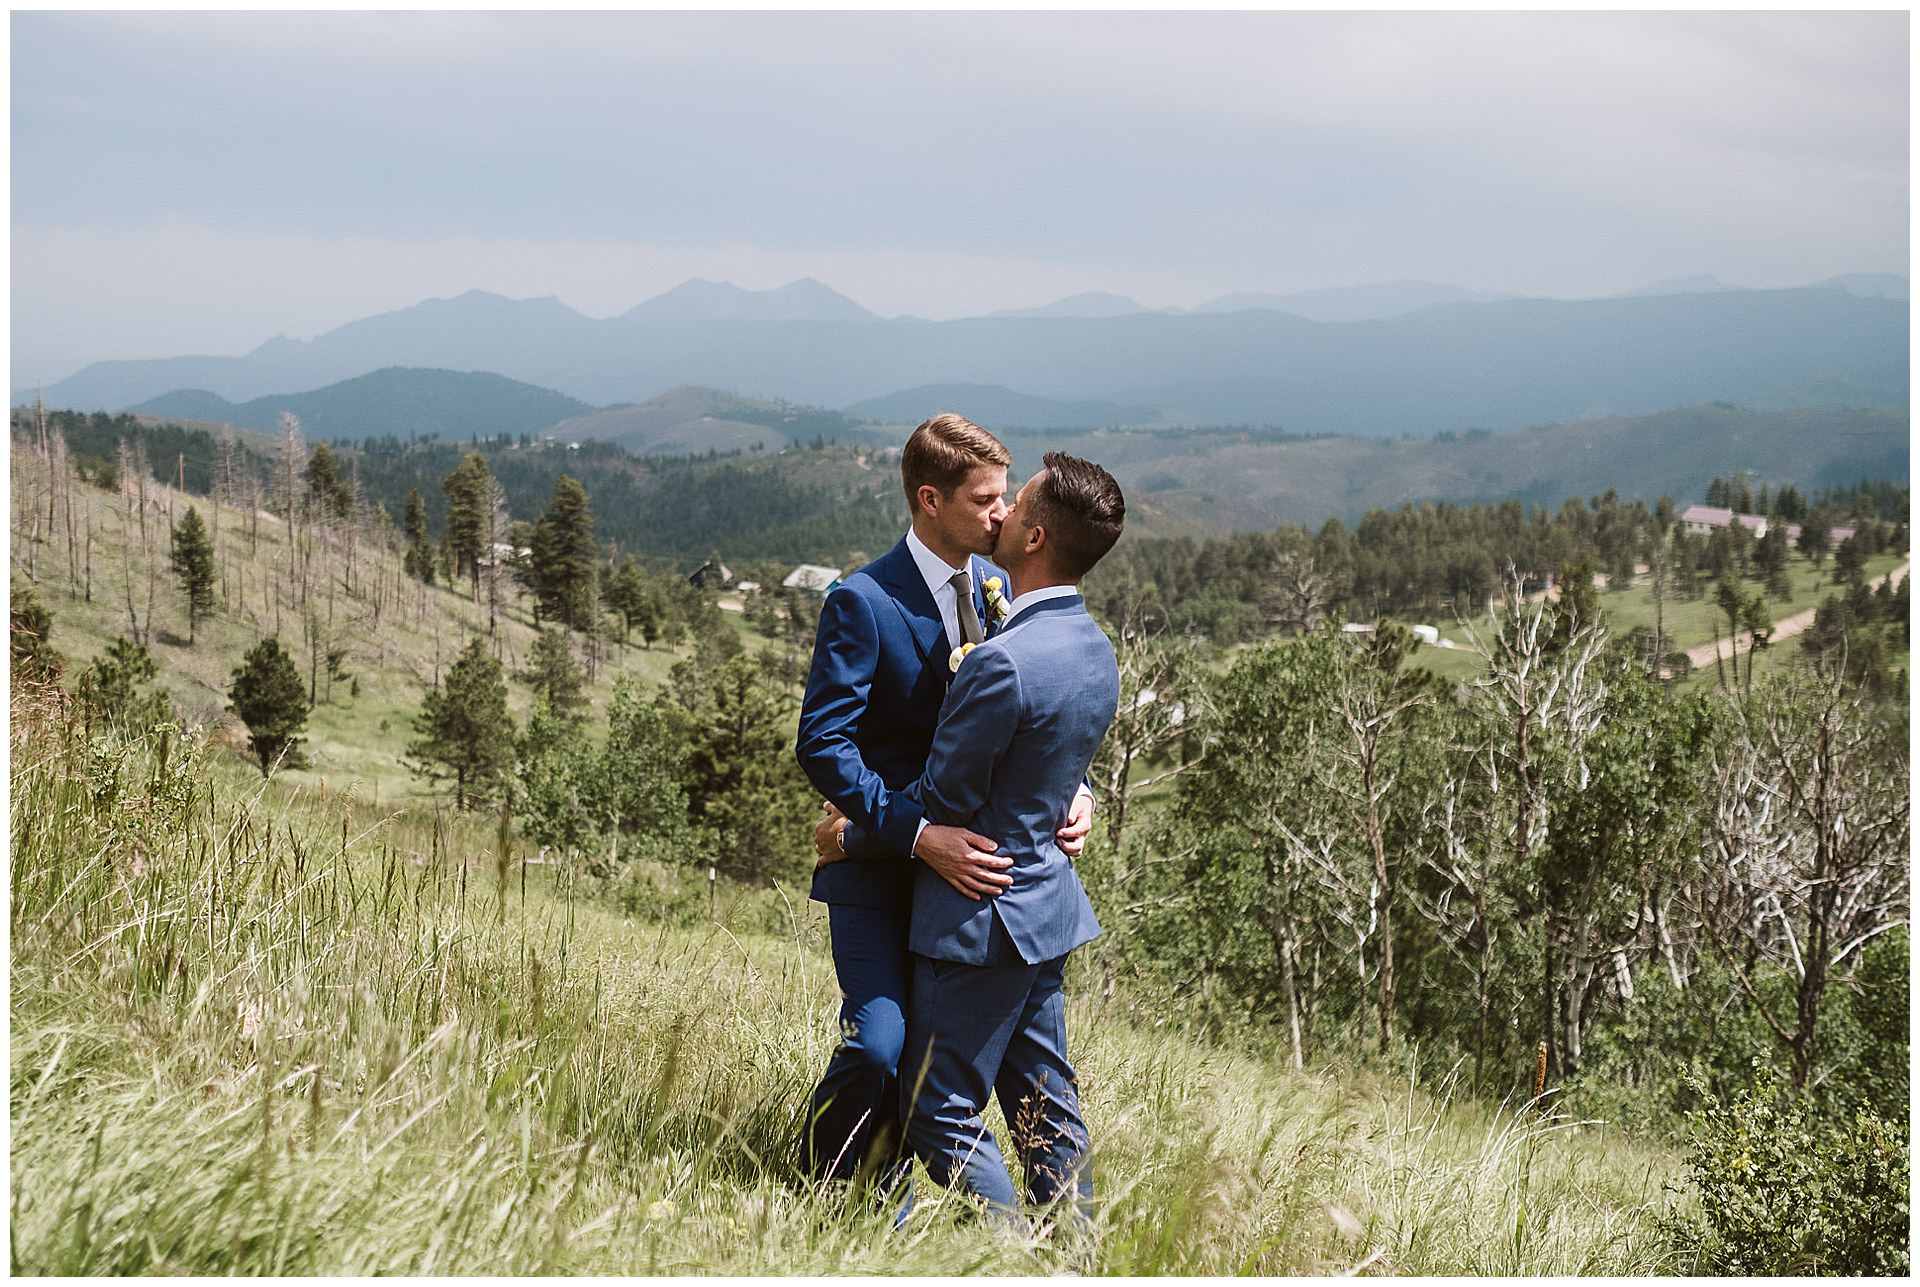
(880, 670)
(1017, 732)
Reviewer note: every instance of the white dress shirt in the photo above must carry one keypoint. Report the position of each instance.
(1032, 597)
(939, 579)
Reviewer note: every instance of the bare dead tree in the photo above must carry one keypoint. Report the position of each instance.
(1295, 598)
(1547, 693)
(1373, 701)
(497, 521)
(1159, 701)
(129, 499)
(1463, 905)
(1810, 830)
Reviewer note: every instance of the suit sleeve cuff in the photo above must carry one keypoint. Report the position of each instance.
(902, 833)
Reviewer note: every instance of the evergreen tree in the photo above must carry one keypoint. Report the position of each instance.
(30, 627)
(1816, 538)
(564, 557)
(465, 733)
(270, 700)
(1850, 560)
(193, 563)
(555, 677)
(327, 492)
(418, 560)
(736, 721)
(1770, 558)
(468, 500)
(112, 688)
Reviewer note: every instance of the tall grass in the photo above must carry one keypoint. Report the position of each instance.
(258, 1031)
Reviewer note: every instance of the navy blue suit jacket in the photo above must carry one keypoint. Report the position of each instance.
(1017, 733)
(874, 689)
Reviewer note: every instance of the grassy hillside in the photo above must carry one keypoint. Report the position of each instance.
(1687, 622)
(394, 650)
(258, 1028)
(319, 1024)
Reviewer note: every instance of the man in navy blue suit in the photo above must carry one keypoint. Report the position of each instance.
(1017, 732)
(881, 666)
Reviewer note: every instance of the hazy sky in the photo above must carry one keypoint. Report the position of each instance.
(200, 183)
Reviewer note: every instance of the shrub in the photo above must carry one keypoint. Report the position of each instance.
(1781, 1195)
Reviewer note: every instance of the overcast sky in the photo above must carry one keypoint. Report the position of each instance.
(200, 183)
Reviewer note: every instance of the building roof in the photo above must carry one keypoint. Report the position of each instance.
(1715, 516)
(811, 576)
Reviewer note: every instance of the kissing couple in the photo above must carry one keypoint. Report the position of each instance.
(952, 711)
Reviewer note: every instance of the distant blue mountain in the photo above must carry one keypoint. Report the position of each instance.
(703, 301)
(1352, 303)
(401, 402)
(995, 407)
(1495, 364)
(1093, 304)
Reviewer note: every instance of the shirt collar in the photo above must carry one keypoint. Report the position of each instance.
(1032, 597)
(932, 567)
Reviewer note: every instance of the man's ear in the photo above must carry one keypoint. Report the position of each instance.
(927, 497)
(1036, 538)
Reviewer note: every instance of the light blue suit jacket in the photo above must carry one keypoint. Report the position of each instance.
(1017, 733)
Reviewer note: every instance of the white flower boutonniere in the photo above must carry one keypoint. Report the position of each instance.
(959, 655)
(996, 602)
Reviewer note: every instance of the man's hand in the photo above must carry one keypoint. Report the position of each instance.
(1073, 836)
(826, 834)
(965, 860)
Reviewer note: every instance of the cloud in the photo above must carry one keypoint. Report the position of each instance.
(937, 163)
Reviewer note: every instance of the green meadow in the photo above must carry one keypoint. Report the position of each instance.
(268, 1028)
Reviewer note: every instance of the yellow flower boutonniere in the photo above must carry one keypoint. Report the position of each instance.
(959, 655)
(996, 601)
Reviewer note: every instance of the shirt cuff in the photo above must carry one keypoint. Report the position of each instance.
(916, 834)
(1085, 790)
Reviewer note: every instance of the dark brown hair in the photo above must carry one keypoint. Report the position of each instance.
(1082, 510)
(943, 451)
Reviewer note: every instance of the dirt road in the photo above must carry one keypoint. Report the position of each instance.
(1785, 628)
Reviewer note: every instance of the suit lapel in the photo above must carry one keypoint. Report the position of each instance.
(901, 576)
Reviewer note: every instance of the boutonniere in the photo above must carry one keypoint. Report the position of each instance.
(996, 602)
(959, 655)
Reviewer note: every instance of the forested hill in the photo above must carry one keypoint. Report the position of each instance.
(784, 493)
(391, 403)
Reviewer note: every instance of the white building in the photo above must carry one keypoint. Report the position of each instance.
(811, 576)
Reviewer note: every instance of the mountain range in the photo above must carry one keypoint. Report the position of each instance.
(394, 402)
(1461, 365)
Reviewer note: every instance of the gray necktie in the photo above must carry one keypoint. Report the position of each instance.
(970, 631)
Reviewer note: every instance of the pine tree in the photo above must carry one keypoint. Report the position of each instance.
(735, 718)
(1816, 538)
(30, 629)
(564, 556)
(465, 733)
(112, 688)
(467, 498)
(553, 675)
(192, 562)
(327, 493)
(270, 700)
(418, 560)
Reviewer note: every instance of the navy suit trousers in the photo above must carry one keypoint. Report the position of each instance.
(998, 1028)
(854, 1123)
